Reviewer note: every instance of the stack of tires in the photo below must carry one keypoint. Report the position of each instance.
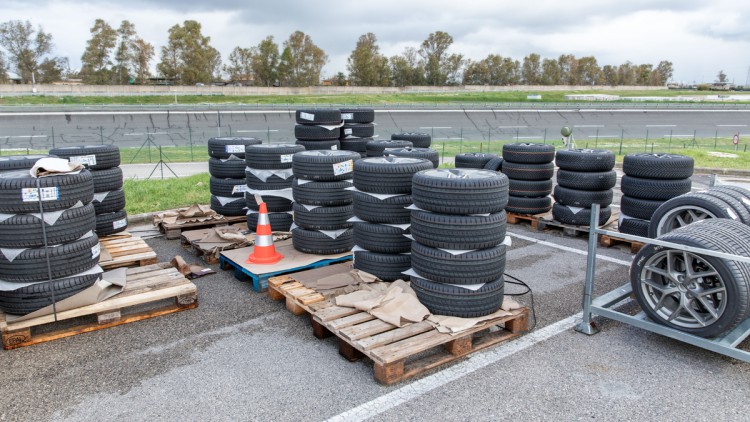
(226, 164)
(376, 148)
(650, 180)
(458, 232)
(322, 222)
(269, 174)
(530, 168)
(358, 129)
(318, 129)
(427, 153)
(475, 160)
(62, 237)
(103, 162)
(417, 139)
(383, 191)
(584, 177)
(20, 162)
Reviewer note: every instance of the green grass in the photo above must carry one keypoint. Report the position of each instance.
(144, 196)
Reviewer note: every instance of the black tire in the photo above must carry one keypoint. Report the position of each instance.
(585, 160)
(318, 116)
(662, 190)
(385, 211)
(25, 230)
(323, 218)
(331, 144)
(357, 115)
(474, 267)
(69, 189)
(522, 171)
(634, 226)
(521, 205)
(387, 267)
(529, 153)
(20, 162)
(387, 175)
(236, 207)
(495, 164)
(271, 183)
(65, 260)
(107, 180)
(358, 130)
(657, 165)
(740, 194)
(582, 198)
(39, 295)
(111, 223)
(226, 168)
(322, 193)
(224, 147)
(324, 165)
(744, 192)
(93, 157)
(316, 133)
(529, 188)
(280, 221)
(460, 191)
(355, 144)
(737, 206)
(418, 139)
(687, 209)
(661, 305)
(315, 242)
(114, 201)
(426, 153)
(377, 147)
(273, 203)
(461, 232)
(595, 180)
(227, 188)
(271, 156)
(642, 209)
(582, 217)
(449, 300)
(381, 238)
(473, 160)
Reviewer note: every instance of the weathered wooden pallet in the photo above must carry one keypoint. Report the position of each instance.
(121, 235)
(542, 222)
(173, 231)
(126, 252)
(189, 238)
(610, 241)
(397, 353)
(150, 285)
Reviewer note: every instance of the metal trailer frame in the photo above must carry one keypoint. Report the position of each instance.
(605, 305)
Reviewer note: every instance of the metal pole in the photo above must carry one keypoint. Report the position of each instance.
(53, 136)
(596, 140)
(587, 326)
(101, 134)
(645, 146)
(545, 135)
(670, 141)
(190, 138)
(622, 137)
(218, 124)
(716, 137)
(268, 134)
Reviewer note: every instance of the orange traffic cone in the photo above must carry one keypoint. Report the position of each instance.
(264, 251)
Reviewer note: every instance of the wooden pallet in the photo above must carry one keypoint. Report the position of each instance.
(121, 235)
(189, 238)
(545, 222)
(610, 241)
(126, 252)
(145, 285)
(172, 231)
(397, 353)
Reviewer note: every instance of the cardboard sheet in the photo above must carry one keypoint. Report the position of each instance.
(192, 214)
(292, 258)
(397, 304)
(455, 325)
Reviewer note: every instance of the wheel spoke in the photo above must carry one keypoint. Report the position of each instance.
(709, 307)
(713, 291)
(660, 271)
(681, 221)
(692, 312)
(675, 312)
(662, 288)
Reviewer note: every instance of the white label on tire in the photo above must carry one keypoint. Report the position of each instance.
(96, 250)
(343, 168)
(306, 116)
(347, 131)
(239, 189)
(86, 160)
(286, 158)
(32, 194)
(118, 224)
(334, 147)
(746, 201)
(347, 116)
(231, 149)
(732, 214)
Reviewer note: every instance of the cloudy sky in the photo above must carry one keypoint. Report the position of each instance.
(700, 37)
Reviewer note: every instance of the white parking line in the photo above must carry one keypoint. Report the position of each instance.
(661, 125)
(588, 125)
(435, 127)
(247, 131)
(511, 127)
(569, 249)
(731, 125)
(475, 362)
(23, 136)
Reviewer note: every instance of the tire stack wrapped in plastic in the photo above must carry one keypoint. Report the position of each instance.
(417, 139)
(530, 168)
(458, 234)
(584, 177)
(321, 177)
(650, 180)
(64, 232)
(383, 191)
(226, 164)
(269, 174)
(358, 129)
(318, 129)
(103, 162)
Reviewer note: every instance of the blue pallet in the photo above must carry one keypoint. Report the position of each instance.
(260, 282)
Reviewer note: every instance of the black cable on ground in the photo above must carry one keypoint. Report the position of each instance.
(528, 291)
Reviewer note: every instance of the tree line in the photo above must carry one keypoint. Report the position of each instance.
(120, 56)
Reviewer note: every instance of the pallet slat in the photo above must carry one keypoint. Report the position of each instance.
(126, 252)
